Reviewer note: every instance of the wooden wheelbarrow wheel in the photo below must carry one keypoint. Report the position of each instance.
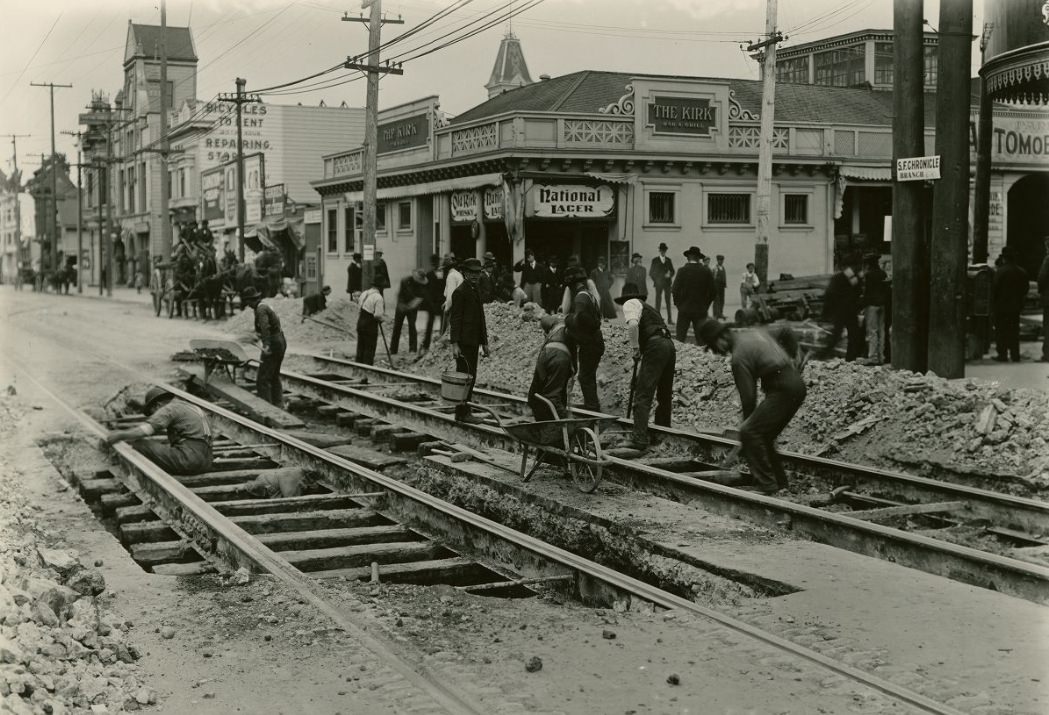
(585, 460)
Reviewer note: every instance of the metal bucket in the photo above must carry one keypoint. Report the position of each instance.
(455, 386)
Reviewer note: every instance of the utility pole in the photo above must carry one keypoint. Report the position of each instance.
(53, 249)
(982, 188)
(910, 250)
(79, 216)
(18, 204)
(768, 115)
(165, 189)
(240, 99)
(371, 123)
(950, 210)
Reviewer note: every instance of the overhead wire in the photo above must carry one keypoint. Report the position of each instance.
(38, 47)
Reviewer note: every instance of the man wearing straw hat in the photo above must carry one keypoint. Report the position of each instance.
(654, 348)
(469, 333)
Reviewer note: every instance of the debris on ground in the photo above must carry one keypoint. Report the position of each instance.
(335, 324)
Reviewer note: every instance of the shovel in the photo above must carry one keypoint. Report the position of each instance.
(329, 325)
(386, 345)
(633, 386)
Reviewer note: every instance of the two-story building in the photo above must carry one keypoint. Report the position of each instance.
(64, 228)
(17, 228)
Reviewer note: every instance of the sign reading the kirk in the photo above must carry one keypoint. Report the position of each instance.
(408, 133)
(689, 116)
(573, 201)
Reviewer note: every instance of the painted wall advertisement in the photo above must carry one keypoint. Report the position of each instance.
(274, 201)
(572, 201)
(254, 187)
(259, 129)
(464, 206)
(1018, 139)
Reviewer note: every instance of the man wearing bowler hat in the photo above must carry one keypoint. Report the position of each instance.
(720, 283)
(693, 292)
(653, 347)
(468, 329)
(771, 356)
(271, 339)
(636, 275)
(662, 273)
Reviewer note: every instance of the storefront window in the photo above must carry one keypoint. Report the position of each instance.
(796, 209)
(931, 66)
(380, 217)
(404, 215)
(883, 61)
(728, 208)
(333, 231)
(795, 71)
(347, 230)
(661, 207)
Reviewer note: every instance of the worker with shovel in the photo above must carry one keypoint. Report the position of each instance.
(273, 346)
(769, 355)
(654, 357)
(369, 321)
(469, 333)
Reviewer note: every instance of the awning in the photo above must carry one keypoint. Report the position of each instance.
(865, 173)
(290, 227)
(613, 178)
(432, 187)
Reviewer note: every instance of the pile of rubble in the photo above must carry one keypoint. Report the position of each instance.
(336, 323)
(869, 415)
(61, 649)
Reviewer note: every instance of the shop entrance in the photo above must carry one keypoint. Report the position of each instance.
(1028, 221)
(586, 239)
(463, 242)
(498, 242)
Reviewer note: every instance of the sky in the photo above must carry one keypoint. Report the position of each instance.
(269, 42)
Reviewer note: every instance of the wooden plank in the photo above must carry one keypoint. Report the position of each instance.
(307, 502)
(224, 464)
(329, 538)
(320, 439)
(382, 433)
(93, 489)
(364, 427)
(407, 441)
(883, 514)
(452, 570)
(146, 531)
(134, 514)
(243, 401)
(112, 502)
(162, 552)
(192, 568)
(234, 476)
(328, 410)
(366, 457)
(305, 520)
(348, 556)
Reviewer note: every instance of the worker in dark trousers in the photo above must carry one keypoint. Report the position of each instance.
(584, 333)
(771, 357)
(273, 344)
(316, 302)
(841, 304)
(468, 329)
(653, 346)
(553, 373)
(188, 450)
(434, 303)
(410, 295)
(380, 273)
(1007, 301)
(354, 276)
(372, 308)
(661, 271)
(720, 283)
(693, 293)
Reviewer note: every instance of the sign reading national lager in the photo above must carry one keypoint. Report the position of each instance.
(573, 201)
(407, 133)
(682, 115)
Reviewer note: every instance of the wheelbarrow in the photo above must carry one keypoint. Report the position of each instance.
(224, 356)
(575, 442)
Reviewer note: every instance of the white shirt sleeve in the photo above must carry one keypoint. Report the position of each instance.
(632, 310)
(455, 279)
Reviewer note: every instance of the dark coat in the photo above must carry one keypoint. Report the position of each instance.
(1043, 280)
(380, 274)
(467, 316)
(841, 300)
(529, 274)
(875, 288)
(720, 276)
(658, 270)
(314, 303)
(694, 289)
(411, 295)
(1010, 289)
(553, 289)
(353, 278)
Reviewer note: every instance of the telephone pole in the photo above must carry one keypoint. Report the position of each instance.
(768, 115)
(79, 216)
(53, 249)
(910, 248)
(982, 188)
(240, 99)
(18, 204)
(375, 21)
(949, 250)
(165, 189)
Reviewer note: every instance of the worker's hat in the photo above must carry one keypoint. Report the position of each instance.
(471, 265)
(630, 290)
(693, 251)
(152, 395)
(710, 330)
(250, 295)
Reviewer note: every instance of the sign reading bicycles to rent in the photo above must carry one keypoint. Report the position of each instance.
(918, 168)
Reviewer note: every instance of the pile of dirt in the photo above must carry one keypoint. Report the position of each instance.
(870, 415)
(340, 317)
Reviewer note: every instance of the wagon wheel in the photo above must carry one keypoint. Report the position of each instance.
(586, 474)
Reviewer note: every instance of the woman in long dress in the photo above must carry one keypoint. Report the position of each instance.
(603, 280)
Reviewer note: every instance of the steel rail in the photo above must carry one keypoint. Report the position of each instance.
(1030, 515)
(593, 580)
(961, 563)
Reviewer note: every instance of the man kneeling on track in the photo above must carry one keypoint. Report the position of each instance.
(551, 379)
(188, 450)
(769, 355)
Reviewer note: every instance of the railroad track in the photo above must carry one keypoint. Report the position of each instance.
(220, 530)
(409, 405)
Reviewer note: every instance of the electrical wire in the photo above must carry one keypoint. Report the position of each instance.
(19, 77)
(455, 40)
